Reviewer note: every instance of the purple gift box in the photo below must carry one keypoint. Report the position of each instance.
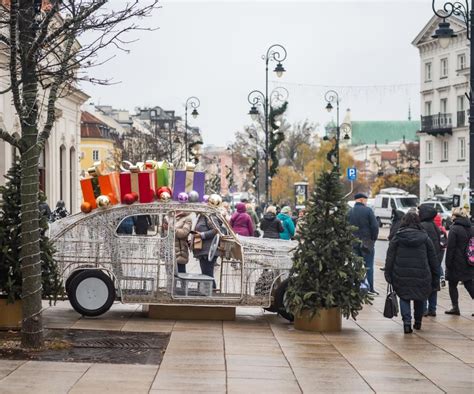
(186, 181)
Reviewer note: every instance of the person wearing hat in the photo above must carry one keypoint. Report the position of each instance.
(287, 223)
(367, 232)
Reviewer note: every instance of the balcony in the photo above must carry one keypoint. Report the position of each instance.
(440, 124)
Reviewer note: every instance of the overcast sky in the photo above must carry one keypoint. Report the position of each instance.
(213, 49)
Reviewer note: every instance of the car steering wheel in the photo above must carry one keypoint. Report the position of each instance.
(214, 247)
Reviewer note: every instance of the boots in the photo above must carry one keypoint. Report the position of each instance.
(407, 329)
(453, 311)
(417, 325)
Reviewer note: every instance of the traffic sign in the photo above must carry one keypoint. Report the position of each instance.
(352, 174)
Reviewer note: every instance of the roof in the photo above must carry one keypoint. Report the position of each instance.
(367, 132)
(389, 155)
(92, 127)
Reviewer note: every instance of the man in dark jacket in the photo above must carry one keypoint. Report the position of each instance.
(412, 268)
(270, 224)
(427, 215)
(457, 267)
(206, 232)
(367, 231)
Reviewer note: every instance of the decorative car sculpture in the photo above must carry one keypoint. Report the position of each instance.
(101, 264)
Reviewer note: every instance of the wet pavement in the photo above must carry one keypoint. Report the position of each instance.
(262, 353)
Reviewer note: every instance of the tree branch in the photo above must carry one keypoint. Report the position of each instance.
(7, 137)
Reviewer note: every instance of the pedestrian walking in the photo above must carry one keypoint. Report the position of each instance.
(397, 216)
(427, 216)
(183, 227)
(270, 224)
(241, 221)
(288, 225)
(412, 268)
(362, 217)
(60, 211)
(457, 266)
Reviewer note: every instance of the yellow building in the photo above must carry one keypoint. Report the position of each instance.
(98, 142)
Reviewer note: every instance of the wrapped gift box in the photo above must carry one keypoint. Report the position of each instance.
(90, 190)
(110, 186)
(188, 180)
(142, 183)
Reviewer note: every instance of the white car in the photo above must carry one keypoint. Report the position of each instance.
(390, 199)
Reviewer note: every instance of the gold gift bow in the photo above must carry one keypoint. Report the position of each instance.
(99, 168)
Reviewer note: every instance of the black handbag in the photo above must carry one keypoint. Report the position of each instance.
(391, 303)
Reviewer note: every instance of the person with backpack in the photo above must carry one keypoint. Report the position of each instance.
(460, 258)
(412, 268)
(427, 217)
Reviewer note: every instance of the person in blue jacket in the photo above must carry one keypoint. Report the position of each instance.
(287, 222)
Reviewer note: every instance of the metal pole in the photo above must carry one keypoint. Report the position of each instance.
(186, 133)
(266, 132)
(471, 115)
(171, 145)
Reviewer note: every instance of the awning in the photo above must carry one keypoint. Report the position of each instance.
(438, 180)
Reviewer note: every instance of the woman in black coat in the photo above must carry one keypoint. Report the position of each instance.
(206, 231)
(270, 224)
(427, 215)
(412, 268)
(457, 268)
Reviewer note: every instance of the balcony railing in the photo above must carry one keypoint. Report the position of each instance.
(461, 118)
(439, 124)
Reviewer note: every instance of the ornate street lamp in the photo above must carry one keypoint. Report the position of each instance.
(278, 54)
(463, 11)
(192, 102)
(331, 96)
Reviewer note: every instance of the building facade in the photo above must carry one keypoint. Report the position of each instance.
(444, 136)
(59, 163)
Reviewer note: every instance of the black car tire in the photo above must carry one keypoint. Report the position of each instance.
(91, 292)
(279, 305)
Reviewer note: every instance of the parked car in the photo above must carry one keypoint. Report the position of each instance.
(100, 263)
(390, 199)
(443, 207)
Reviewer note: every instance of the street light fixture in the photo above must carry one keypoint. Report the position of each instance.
(192, 102)
(463, 12)
(276, 53)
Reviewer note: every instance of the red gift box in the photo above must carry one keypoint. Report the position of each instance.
(142, 183)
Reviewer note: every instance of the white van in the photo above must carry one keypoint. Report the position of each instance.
(392, 198)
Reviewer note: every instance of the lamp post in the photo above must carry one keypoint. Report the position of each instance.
(257, 164)
(444, 33)
(331, 96)
(194, 103)
(278, 54)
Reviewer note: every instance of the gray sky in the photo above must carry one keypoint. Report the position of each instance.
(213, 49)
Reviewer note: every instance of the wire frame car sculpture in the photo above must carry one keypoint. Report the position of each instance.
(103, 258)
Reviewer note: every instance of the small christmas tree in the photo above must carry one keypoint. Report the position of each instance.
(10, 230)
(326, 273)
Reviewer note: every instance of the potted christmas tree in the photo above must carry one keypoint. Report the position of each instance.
(10, 269)
(326, 276)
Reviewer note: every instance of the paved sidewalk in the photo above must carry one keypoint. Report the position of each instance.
(262, 353)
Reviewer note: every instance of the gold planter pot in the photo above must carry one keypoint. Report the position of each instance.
(325, 320)
(10, 314)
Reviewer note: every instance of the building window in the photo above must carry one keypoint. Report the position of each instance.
(443, 106)
(460, 103)
(444, 151)
(95, 155)
(42, 171)
(72, 178)
(461, 148)
(429, 151)
(461, 61)
(427, 108)
(427, 72)
(444, 67)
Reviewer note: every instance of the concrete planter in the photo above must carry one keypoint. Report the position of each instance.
(326, 320)
(10, 314)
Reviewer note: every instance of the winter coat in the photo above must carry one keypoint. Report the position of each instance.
(126, 226)
(288, 226)
(364, 219)
(412, 266)
(241, 221)
(396, 222)
(271, 226)
(457, 268)
(207, 233)
(142, 222)
(182, 228)
(427, 215)
(254, 216)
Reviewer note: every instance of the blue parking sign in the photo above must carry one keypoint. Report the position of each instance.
(352, 174)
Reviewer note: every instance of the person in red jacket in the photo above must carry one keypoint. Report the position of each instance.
(241, 221)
